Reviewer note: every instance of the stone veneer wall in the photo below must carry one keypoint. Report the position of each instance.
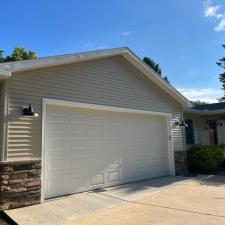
(180, 159)
(20, 183)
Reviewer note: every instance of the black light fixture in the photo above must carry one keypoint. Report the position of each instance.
(182, 124)
(219, 123)
(177, 123)
(28, 111)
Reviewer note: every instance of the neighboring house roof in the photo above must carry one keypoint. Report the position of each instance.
(6, 69)
(210, 107)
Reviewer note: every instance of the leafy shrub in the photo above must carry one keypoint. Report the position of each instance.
(205, 158)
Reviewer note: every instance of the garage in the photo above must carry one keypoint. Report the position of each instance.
(83, 121)
(88, 147)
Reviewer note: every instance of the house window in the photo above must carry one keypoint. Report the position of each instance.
(189, 132)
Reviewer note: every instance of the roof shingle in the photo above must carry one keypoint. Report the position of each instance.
(210, 107)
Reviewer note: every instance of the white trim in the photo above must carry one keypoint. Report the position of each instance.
(7, 68)
(82, 105)
(44, 106)
(170, 146)
(5, 124)
(47, 101)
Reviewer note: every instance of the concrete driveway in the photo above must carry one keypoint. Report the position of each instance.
(168, 200)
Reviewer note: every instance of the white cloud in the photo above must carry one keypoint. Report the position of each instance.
(220, 26)
(127, 33)
(205, 94)
(214, 12)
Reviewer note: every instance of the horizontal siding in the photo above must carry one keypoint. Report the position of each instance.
(111, 81)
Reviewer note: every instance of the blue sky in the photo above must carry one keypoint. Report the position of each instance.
(184, 37)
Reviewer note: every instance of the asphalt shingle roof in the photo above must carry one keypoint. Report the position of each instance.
(211, 107)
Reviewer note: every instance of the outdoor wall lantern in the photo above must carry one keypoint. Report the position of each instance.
(219, 123)
(182, 124)
(28, 111)
(177, 123)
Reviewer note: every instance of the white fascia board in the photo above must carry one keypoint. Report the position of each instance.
(5, 71)
(26, 65)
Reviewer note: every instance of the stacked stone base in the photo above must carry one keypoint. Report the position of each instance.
(20, 183)
(180, 160)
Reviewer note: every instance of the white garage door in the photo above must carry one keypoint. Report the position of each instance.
(90, 149)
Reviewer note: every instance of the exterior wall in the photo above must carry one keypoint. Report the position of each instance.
(111, 81)
(201, 134)
(221, 133)
(20, 183)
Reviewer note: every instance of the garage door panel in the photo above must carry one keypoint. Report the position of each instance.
(56, 127)
(53, 190)
(95, 130)
(56, 164)
(77, 143)
(113, 176)
(77, 183)
(88, 149)
(78, 163)
(78, 152)
(115, 131)
(97, 180)
(56, 145)
(79, 129)
(133, 175)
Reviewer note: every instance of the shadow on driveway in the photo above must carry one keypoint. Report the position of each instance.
(135, 187)
(213, 180)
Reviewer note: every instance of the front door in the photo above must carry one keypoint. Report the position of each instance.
(213, 138)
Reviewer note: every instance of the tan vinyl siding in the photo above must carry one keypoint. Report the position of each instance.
(110, 81)
(221, 132)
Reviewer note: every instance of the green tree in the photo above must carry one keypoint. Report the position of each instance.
(18, 54)
(221, 63)
(1, 56)
(155, 66)
(198, 102)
